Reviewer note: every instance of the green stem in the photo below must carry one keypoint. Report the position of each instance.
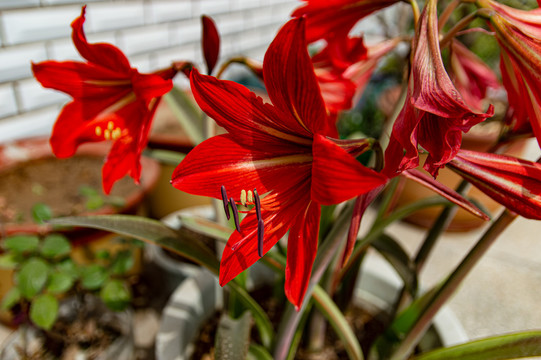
(326, 252)
(416, 12)
(450, 286)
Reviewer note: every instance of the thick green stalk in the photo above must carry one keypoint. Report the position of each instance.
(449, 287)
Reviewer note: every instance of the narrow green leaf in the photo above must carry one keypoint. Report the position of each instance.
(93, 277)
(149, 230)
(55, 245)
(399, 259)
(59, 283)
(509, 346)
(21, 243)
(41, 213)
(258, 352)
(206, 227)
(233, 337)
(337, 320)
(44, 311)
(186, 113)
(12, 297)
(32, 277)
(116, 294)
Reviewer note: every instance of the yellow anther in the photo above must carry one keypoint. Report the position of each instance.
(243, 197)
(250, 196)
(107, 134)
(98, 131)
(110, 125)
(116, 133)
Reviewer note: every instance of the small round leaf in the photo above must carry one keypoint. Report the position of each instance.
(32, 277)
(8, 261)
(44, 310)
(12, 297)
(59, 283)
(93, 277)
(123, 262)
(55, 245)
(116, 294)
(21, 243)
(41, 213)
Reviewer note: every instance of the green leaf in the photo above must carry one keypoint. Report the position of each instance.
(116, 294)
(94, 202)
(148, 230)
(44, 311)
(88, 191)
(399, 259)
(122, 262)
(32, 277)
(12, 297)
(60, 282)
(186, 113)
(233, 337)
(55, 245)
(8, 261)
(509, 346)
(93, 276)
(337, 320)
(68, 267)
(41, 213)
(21, 243)
(258, 352)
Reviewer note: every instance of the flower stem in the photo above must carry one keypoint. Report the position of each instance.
(449, 287)
(446, 14)
(464, 22)
(416, 12)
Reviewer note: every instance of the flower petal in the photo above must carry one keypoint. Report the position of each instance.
(513, 182)
(290, 81)
(337, 176)
(221, 161)
(103, 54)
(301, 252)
(243, 114)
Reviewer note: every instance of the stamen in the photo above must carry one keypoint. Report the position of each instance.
(116, 133)
(226, 202)
(257, 205)
(98, 131)
(107, 134)
(243, 197)
(110, 125)
(250, 196)
(260, 233)
(235, 214)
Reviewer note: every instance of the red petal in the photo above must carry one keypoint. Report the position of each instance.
(514, 183)
(211, 42)
(222, 161)
(301, 252)
(243, 114)
(102, 54)
(337, 176)
(290, 81)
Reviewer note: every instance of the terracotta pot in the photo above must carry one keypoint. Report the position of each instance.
(480, 138)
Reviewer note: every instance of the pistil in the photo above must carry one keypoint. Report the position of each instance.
(225, 202)
(235, 214)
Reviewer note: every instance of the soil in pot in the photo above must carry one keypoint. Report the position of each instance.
(64, 185)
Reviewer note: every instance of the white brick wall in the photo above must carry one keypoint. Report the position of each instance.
(152, 33)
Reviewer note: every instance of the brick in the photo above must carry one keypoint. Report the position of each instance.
(64, 49)
(166, 11)
(137, 41)
(211, 7)
(164, 58)
(16, 61)
(23, 26)
(185, 32)
(17, 4)
(142, 63)
(34, 123)
(245, 4)
(62, 2)
(33, 96)
(230, 23)
(114, 15)
(8, 104)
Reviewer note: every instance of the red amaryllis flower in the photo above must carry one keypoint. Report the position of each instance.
(325, 17)
(471, 76)
(281, 151)
(514, 183)
(211, 42)
(111, 101)
(434, 115)
(519, 35)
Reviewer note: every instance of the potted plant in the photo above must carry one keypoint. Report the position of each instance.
(296, 192)
(63, 307)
